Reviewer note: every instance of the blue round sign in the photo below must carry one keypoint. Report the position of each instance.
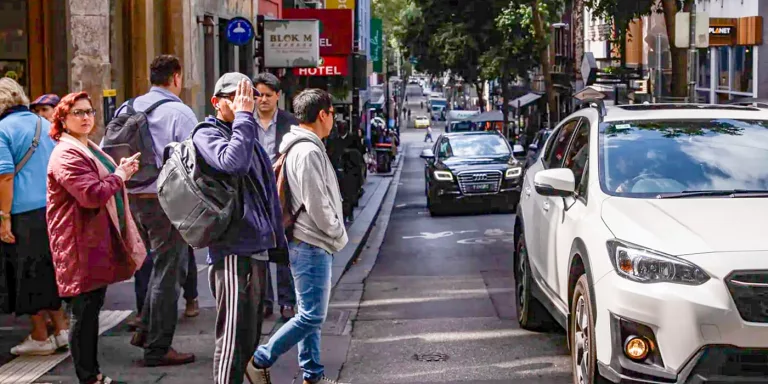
(239, 31)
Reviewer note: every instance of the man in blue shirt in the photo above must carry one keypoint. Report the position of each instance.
(169, 122)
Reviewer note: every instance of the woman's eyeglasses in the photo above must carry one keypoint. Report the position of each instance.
(82, 113)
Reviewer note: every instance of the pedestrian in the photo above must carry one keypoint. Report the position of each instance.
(94, 239)
(273, 124)
(238, 260)
(317, 233)
(171, 263)
(428, 136)
(43, 106)
(26, 265)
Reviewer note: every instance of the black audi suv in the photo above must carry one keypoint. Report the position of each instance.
(467, 169)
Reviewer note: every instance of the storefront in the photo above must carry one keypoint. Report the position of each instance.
(729, 68)
(27, 44)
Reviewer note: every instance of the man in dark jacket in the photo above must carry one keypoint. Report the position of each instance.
(273, 123)
(237, 261)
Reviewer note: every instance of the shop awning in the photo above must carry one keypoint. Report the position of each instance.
(524, 100)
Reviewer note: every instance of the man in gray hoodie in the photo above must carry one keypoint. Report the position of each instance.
(317, 233)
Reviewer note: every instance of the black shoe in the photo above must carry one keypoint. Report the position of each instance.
(268, 311)
(287, 312)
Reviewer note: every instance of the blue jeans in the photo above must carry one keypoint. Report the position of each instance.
(311, 268)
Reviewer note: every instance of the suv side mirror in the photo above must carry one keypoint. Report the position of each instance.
(518, 149)
(427, 154)
(555, 182)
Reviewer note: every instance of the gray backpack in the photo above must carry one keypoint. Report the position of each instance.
(199, 200)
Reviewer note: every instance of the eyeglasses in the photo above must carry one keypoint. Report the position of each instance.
(82, 113)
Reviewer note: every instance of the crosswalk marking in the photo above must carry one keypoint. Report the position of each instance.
(27, 369)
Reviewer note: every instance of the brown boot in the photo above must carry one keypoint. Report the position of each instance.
(139, 339)
(171, 358)
(192, 309)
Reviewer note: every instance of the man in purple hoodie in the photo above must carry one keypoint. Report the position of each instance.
(228, 143)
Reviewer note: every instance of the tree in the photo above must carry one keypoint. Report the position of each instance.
(622, 12)
(514, 55)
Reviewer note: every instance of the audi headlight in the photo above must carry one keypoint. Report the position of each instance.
(443, 176)
(647, 266)
(513, 172)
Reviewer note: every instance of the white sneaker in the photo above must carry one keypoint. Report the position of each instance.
(30, 347)
(62, 340)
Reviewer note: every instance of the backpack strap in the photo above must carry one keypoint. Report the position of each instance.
(32, 148)
(156, 104)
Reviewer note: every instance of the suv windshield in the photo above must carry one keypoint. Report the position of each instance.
(477, 146)
(662, 157)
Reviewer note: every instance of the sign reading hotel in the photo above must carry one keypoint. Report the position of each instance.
(291, 43)
(329, 66)
(336, 28)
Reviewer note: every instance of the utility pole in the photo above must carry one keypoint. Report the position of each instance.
(692, 56)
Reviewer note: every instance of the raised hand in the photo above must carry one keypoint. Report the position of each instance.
(243, 97)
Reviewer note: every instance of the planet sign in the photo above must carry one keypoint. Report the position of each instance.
(239, 31)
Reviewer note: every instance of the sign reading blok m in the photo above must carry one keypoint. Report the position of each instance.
(329, 66)
(291, 43)
(336, 28)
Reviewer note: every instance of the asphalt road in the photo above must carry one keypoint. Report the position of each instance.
(442, 289)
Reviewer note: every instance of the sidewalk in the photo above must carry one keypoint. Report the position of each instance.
(118, 358)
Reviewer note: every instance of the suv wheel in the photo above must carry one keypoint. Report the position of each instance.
(531, 314)
(581, 334)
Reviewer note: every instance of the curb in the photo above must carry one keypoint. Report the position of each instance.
(344, 259)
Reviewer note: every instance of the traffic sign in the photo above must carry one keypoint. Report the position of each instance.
(239, 31)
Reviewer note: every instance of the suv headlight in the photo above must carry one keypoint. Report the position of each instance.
(443, 176)
(647, 266)
(513, 172)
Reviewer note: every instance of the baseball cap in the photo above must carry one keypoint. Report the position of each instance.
(48, 99)
(227, 83)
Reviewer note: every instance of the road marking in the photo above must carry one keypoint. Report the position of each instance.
(27, 369)
(401, 205)
(438, 235)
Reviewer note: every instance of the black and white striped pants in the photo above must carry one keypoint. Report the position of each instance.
(236, 282)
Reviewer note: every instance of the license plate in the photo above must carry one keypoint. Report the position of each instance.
(481, 187)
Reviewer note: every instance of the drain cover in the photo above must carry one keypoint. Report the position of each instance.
(431, 357)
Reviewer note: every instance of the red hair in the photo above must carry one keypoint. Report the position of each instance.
(63, 109)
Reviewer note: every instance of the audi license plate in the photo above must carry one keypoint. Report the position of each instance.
(485, 187)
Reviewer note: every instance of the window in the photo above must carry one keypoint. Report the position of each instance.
(704, 77)
(483, 145)
(723, 61)
(578, 152)
(742, 69)
(643, 159)
(444, 151)
(553, 156)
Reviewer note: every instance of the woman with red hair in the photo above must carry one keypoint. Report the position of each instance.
(93, 237)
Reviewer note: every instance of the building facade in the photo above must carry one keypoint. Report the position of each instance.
(108, 45)
(735, 64)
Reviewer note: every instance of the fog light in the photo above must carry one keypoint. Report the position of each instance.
(636, 348)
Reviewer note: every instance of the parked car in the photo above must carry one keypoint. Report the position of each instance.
(640, 231)
(472, 167)
(421, 122)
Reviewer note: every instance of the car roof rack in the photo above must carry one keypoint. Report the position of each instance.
(595, 103)
(750, 101)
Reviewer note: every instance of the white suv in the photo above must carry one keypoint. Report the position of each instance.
(643, 231)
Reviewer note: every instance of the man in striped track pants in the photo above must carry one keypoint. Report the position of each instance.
(228, 143)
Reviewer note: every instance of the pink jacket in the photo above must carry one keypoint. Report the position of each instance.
(89, 252)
